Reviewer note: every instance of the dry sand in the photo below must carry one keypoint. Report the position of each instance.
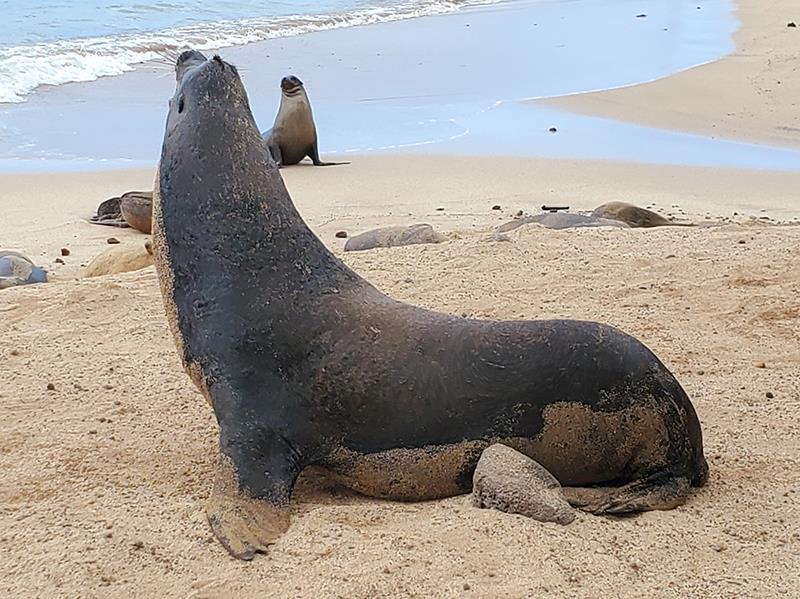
(753, 94)
(103, 479)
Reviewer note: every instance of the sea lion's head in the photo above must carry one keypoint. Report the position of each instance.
(291, 86)
(187, 60)
(210, 111)
(209, 123)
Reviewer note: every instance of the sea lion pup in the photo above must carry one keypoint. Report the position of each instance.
(306, 363)
(294, 134)
(633, 216)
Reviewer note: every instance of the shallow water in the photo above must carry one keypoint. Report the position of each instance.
(448, 84)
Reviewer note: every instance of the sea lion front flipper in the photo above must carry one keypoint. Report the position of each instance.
(249, 504)
(244, 525)
(314, 155)
(274, 150)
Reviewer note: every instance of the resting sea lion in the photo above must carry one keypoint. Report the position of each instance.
(294, 134)
(137, 210)
(560, 220)
(387, 237)
(306, 363)
(121, 258)
(18, 269)
(633, 216)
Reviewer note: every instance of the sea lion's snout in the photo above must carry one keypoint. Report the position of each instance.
(187, 60)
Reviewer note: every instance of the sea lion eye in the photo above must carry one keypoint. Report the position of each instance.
(180, 105)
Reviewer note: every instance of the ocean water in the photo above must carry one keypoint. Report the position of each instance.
(458, 79)
(52, 42)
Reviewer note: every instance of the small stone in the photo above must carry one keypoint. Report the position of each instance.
(742, 241)
(92, 432)
(138, 545)
(496, 207)
(791, 24)
(109, 535)
(552, 129)
(466, 586)
(108, 387)
(14, 352)
(519, 213)
(64, 252)
(341, 234)
(439, 209)
(386, 570)
(760, 365)
(670, 256)
(51, 387)
(58, 261)
(510, 481)
(770, 395)
(112, 241)
(641, 16)
(701, 372)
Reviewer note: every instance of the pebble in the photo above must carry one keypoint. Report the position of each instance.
(64, 252)
(439, 209)
(14, 352)
(519, 213)
(760, 365)
(112, 240)
(466, 586)
(791, 24)
(51, 387)
(496, 207)
(552, 129)
(58, 261)
(701, 372)
(742, 241)
(341, 234)
(770, 395)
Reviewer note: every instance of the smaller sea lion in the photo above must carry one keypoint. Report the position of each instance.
(121, 258)
(294, 134)
(633, 216)
(18, 269)
(137, 210)
(387, 237)
(560, 220)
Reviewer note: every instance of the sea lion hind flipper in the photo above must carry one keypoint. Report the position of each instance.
(314, 155)
(660, 491)
(248, 509)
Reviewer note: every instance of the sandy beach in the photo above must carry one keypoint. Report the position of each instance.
(750, 94)
(103, 476)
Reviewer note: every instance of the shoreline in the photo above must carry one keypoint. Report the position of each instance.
(748, 95)
(453, 91)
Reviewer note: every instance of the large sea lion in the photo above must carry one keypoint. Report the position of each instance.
(294, 135)
(306, 363)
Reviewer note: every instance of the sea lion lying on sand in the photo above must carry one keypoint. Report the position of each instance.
(306, 363)
(18, 269)
(633, 216)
